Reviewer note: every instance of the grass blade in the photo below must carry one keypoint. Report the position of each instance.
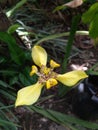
(63, 119)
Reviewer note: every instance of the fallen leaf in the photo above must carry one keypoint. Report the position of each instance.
(74, 3)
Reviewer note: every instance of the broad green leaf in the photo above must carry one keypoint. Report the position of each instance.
(13, 28)
(25, 78)
(18, 5)
(93, 29)
(17, 54)
(63, 119)
(89, 15)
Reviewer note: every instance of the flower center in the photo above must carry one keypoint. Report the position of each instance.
(45, 74)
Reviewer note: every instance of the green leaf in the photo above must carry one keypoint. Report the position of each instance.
(63, 119)
(2, 83)
(25, 77)
(17, 54)
(8, 72)
(54, 36)
(8, 94)
(90, 14)
(13, 28)
(13, 80)
(17, 6)
(61, 7)
(2, 59)
(7, 125)
(93, 29)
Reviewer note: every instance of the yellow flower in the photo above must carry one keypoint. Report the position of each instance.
(30, 94)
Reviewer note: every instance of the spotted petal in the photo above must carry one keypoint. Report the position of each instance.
(28, 95)
(50, 83)
(39, 55)
(71, 78)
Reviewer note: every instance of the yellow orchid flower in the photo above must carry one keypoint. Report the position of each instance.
(30, 94)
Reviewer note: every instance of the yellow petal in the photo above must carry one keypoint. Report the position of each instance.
(71, 78)
(34, 70)
(53, 64)
(50, 83)
(28, 95)
(39, 55)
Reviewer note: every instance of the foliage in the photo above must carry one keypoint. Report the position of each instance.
(91, 17)
(13, 72)
(63, 119)
(18, 5)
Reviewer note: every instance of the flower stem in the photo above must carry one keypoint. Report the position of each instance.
(70, 41)
(62, 89)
